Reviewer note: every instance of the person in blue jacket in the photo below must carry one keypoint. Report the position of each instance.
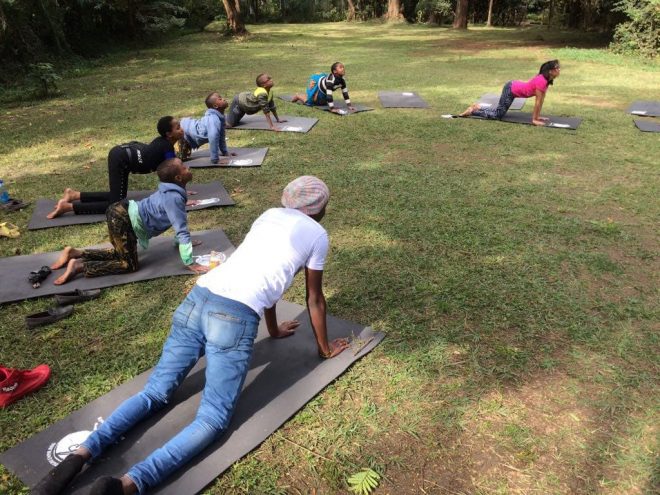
(135, 222)
(209, 129)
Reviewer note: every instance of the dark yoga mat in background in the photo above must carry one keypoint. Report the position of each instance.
(401, 99)
(292, 124)
(492, 100)
(647, 125)
(284, 375)
(339, 104)
(160, 260)
(245, 157)
(645, 108)
(45, 206)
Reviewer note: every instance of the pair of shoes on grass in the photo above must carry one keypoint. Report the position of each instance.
(63, 309)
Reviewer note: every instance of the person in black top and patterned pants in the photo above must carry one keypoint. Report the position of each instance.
(125, 159)
(321, 88)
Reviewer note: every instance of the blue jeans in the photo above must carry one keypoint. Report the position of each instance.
(506, 99)
(204, 323)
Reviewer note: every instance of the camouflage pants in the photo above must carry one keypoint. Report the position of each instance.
(182, 149)
(122, 257)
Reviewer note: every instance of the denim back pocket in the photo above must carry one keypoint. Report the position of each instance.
(224, 331)
(182, 314)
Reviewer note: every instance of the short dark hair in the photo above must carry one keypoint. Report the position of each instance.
(210, 99)
(546, 67)
(259, 77)
(168, 170)
(165, 125)
(334, 66)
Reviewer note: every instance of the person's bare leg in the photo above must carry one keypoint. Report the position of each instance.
(68, 253)
(71, 195)
(469, 110)
(61, 208)
(74, 267)
(298, 98)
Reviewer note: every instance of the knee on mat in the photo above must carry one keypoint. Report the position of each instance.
(213, 424)
(155, 399)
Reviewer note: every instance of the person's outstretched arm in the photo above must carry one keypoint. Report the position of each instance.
(538, 104)
(284, 329)
(178, 218)
(317, 314)
(215, 143)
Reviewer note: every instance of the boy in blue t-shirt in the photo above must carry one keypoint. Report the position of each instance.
(209, 129)
(135, 222)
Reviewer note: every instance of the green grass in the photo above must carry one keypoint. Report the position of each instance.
(513, 268)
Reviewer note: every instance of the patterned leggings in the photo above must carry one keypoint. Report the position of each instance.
(122, 257)
(506, 99)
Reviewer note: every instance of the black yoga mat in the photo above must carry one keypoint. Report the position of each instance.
(45, 206)
(160, 260)
(245, 157)
(571, 123)
(292, 124)
(401, 99)
(339, 104)
(491, 100)
(284, 375)
(647, 125)
(645, 108)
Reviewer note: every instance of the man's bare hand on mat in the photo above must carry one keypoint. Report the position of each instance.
(335, 348)
(198, 269)
(192, 202)
(286, 329)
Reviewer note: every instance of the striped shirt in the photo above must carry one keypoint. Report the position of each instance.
(331, 83)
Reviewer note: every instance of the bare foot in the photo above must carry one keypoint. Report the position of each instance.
(71, 195)
(74, 267)
(68, 253)
(62, 207)
(469, 110)
(297, 98)
(196, 243)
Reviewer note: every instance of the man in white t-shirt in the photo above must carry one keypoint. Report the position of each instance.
(219, 318)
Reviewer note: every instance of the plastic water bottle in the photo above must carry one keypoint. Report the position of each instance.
(4, 194)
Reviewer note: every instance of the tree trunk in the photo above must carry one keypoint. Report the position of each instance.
(460, 18)
(234, 20)
(351, 11)
(489, 22)
(393, 10)
(256, 10)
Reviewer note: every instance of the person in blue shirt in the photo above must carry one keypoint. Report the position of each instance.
(209, 129)
(135, 222)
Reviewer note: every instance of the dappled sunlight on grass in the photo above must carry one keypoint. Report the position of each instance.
(513, 268)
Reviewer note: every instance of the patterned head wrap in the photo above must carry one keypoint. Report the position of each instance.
(307, 194)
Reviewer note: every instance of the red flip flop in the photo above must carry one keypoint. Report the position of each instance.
(14, 383)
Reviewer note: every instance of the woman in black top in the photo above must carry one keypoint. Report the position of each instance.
(125, 159)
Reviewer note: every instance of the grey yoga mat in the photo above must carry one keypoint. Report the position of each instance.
(45, 206)
(284, 375)
(292, 124)
(645, 108)
(526, 118)
(647, 125)
(491, 100)
(401, 99)
(245, 157)
(339, 104)
(160, 260)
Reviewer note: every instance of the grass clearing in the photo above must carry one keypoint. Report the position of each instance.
(514, 269)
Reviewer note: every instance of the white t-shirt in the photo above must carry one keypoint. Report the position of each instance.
(280, 242)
